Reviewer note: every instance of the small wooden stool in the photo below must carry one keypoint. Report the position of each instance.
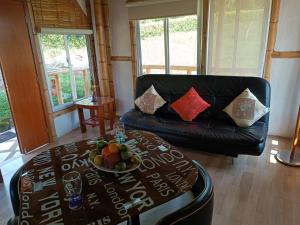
(96, 113)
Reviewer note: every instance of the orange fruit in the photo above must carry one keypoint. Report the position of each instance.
(113, 148)
(111, 160)
(98, 160)
(105, 151)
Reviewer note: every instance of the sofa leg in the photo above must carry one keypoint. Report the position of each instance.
(1, 178)
(233, 159)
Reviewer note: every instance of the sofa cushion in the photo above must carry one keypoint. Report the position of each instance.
(246, 109)
(149, 101)
(208, 130)
(190, 105)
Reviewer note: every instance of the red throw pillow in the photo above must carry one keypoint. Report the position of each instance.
(190, 105)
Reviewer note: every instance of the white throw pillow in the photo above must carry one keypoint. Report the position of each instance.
(150, 101)
(246, 109)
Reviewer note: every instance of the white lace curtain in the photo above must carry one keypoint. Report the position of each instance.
(238, 31)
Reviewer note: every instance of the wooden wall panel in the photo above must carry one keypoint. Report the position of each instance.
(41, 74)
(20, 76)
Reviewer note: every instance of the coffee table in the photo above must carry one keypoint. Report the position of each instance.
(108, 198)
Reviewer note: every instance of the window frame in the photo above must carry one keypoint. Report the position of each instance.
(167, 42)
(66, 32)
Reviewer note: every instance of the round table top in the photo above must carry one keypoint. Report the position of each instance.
(108, 198)
(87, 102)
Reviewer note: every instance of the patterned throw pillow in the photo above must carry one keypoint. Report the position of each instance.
(190, 105)
(150, 101)
(246, 109)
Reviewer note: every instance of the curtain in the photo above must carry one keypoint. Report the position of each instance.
(238, 31)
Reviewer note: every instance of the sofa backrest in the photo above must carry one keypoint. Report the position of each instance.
(219, 91)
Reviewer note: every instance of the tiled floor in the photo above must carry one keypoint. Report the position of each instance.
(9, 149)
(253, 190)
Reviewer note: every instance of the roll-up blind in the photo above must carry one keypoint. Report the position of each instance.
(238, 31)
(147, 9)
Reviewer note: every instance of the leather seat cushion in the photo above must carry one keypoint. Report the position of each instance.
(208, 130)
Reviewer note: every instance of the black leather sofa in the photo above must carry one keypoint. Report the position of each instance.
(213, 130)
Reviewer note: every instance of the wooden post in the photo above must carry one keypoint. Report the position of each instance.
(271, 38)
(132, 29)
(286, 54)
(85, 82)
(104, 83)
(105, 14)
(204, 35)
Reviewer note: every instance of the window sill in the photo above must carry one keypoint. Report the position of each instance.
(63, 111)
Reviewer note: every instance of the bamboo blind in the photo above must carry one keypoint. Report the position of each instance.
(59, 14)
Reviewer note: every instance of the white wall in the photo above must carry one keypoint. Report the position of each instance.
(120, 44)
(68, 122)
(285, 73)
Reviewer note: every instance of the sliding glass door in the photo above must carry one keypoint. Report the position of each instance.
(169, 45)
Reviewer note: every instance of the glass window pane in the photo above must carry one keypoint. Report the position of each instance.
(237, 37)
(5, 113)
(183, 44)
(57, 68)
(152, 45)
(80, 64)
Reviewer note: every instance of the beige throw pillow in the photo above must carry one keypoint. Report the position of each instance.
(246, 109)
(150, 101)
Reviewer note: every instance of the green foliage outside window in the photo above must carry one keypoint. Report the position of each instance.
(57, 41)
(154, 27)
(4, 106)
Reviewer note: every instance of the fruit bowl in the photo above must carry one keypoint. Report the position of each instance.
(104, 169)
(114, 158)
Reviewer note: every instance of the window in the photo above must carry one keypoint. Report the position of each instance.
(238, 37)
(152, 37)
(67, 66)
(183, 44)
(169, 45)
